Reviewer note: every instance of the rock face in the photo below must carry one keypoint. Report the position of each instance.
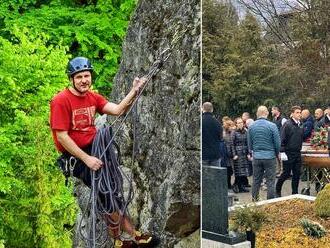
(165, 171)
(167, 145)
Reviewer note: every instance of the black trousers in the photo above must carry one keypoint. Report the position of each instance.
(241, 181)
(229, 174)
(81, 170)
(292, 164)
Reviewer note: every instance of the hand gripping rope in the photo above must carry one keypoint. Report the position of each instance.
(107, 193)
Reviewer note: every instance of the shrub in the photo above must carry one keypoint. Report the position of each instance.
(248, 218)
(322, 202)
(35, 206)
(312, 228)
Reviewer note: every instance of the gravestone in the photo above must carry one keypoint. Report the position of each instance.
(215, 206)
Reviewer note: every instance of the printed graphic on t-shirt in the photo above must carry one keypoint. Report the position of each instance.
(83, 118)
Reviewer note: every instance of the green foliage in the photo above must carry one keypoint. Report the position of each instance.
(35, 205)
(36, 40)
(94, 30)
(219, 23)
(310, 57)
(248, 218)
(312, 228)
(236, 71)
(218, 27)
(322, 202)
(244, 65)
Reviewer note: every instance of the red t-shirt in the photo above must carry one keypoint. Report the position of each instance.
(76, 115)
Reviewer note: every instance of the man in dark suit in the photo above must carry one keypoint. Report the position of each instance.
(291, 143)
(211, 137)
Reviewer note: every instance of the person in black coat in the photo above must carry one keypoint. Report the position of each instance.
(241, 157)
(228, 131)
(329, 141)
(319, 119)
(211, 137)
(326, 122)
(278, 117)
(308, 124)
(291, 144)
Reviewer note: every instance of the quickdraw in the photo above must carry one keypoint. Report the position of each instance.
(67, 165)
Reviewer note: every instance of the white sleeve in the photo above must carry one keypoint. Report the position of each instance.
(283, 121)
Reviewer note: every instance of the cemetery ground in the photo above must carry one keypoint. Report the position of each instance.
(282, 228)
(243, 198)
(283, 221)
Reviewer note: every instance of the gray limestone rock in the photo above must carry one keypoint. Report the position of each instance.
(165, 171)
(167, 148)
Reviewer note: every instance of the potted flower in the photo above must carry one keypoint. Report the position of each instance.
(248, 219)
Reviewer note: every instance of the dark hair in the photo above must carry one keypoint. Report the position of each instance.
(293, 108)
(237, 118)
(276, 107)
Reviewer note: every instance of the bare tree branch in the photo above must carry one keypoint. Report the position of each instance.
(267, 10)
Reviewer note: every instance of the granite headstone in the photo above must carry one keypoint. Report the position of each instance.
(215, 206)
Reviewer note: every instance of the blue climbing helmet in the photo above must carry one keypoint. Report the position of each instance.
(79, 64)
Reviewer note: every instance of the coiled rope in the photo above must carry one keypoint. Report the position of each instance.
(107, 182)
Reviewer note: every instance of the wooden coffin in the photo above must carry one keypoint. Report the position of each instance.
(316, 158)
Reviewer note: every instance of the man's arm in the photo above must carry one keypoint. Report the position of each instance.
(308, 128)
(234, 147)
(220, 131)
(249, 142)
(119, 109)
(276, 140)
(283, 136)
(69, 145)
(329, 141)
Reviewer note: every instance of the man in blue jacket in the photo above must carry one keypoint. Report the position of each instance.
(264, 143)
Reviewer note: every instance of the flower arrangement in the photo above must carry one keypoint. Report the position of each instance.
(319, 139)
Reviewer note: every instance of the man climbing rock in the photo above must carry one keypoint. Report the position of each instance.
(72, 122)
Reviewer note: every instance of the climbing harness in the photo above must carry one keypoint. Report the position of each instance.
(67, 165)
(107, 194)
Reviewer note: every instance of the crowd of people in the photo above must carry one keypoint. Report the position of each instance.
(266, 148)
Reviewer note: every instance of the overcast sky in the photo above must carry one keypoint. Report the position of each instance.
(280, 4)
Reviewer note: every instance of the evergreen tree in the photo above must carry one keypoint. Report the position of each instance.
(218, 27)
(299, 37)
(243, 79)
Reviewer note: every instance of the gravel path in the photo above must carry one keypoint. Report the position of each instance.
(242, 198)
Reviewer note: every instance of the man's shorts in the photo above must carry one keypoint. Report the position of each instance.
(110, 201)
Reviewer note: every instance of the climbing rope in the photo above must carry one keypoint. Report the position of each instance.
(107, 194)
